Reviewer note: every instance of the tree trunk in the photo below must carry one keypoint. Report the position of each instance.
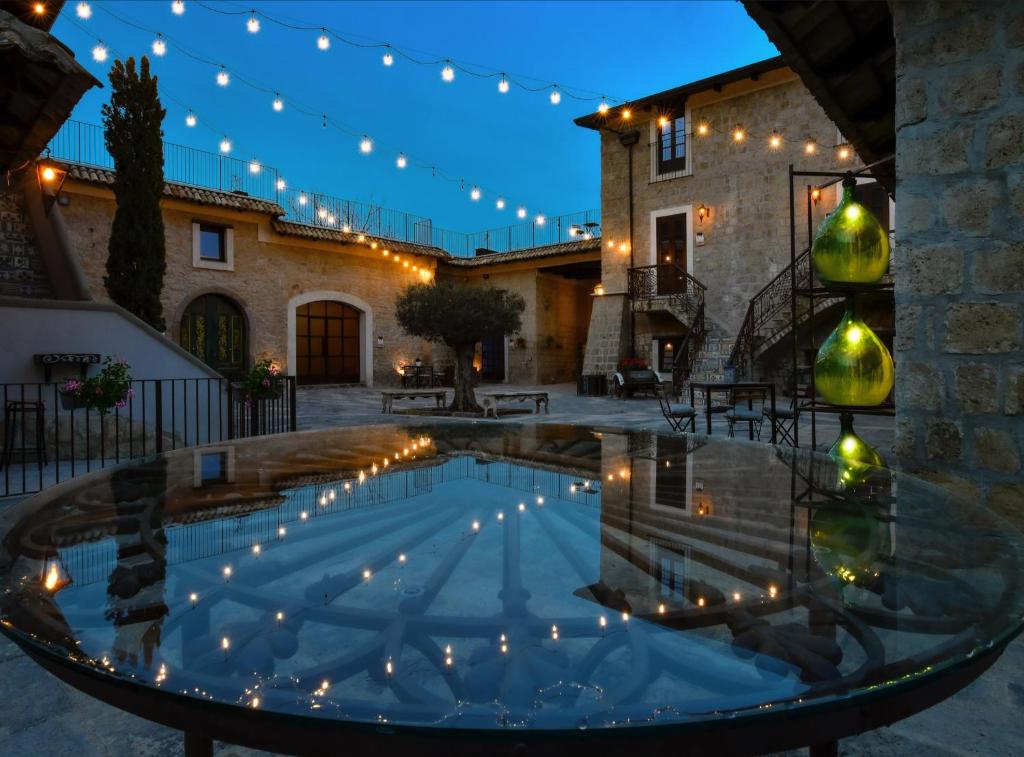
(464, 399)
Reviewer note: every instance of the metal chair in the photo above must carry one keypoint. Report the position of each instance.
(747, 406)
(679, 416)
(14, 410)
(784, 421)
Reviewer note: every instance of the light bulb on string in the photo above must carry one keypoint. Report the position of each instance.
(190, 119)
(281, 185)
(810, 147)
(253, 24)
(222, 77)
(84, 11)
(521, 212)
(365, 145)
(159, 46)
(843, 152)
(178, 7)
(401, 161)
(540, 220)
(387, 59)
(448, 73)
(500, 203)
(278, 103)
(225, 145)
(503, 85)
(303, 199)
(323, 42)
(603, 107)
(254, 166)
(738, 135)
(775, 140)
(99, 53)
(474, 194)
(555, 96)
(627, 114)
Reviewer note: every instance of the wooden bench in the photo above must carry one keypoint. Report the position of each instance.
(490, 401)
(388, 396)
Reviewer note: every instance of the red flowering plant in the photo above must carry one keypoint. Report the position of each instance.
(262, 382)
(632, 364)
(110, 388)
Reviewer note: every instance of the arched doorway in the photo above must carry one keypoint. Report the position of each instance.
(214, 330)
(328, 343)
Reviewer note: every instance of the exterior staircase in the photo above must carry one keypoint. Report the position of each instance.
(22, 269)
(711, 362)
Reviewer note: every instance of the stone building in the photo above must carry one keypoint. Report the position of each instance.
(694, 180)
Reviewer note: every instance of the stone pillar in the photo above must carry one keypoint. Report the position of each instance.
(959, 258)
(608, 336)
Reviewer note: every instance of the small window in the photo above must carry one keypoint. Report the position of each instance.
(213, 467)
(212, 243)
(672, 146)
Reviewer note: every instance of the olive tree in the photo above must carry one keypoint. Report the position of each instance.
(459, 316)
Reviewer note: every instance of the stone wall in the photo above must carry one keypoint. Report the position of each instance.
(745, 185)
(960, 245)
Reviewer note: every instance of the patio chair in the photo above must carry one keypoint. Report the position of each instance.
(679, 416)
(747, 406)
(784, 420)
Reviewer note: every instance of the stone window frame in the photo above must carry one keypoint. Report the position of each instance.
(228, 263)
(654, 147)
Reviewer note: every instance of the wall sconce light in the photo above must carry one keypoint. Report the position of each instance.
(703, 211)
(599, 290)
(815, 195)
(51, 178)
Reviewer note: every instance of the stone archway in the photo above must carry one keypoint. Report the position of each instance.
(213, 327)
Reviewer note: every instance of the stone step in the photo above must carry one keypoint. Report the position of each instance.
(22, 271)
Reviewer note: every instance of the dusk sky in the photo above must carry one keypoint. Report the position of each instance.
(517, 144)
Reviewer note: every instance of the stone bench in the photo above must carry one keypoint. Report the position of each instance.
(490, 401)
(388, 396)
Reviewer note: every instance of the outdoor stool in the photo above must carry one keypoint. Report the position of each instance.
(12, 411)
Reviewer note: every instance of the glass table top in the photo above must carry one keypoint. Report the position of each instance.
(503, 577)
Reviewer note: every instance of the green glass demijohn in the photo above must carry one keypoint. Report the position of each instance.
(854, 457)
(853, 367)
(850, 247)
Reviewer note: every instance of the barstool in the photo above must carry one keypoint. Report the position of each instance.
(12, 410)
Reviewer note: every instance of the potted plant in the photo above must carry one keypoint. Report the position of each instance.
(262, 382)
(109, 389)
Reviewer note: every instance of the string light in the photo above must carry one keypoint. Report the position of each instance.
(447, 73)
(99, 53)
(366, 145)
(323, 41)
(738, 135)
(775, 140)
(474, 194)
(521, 212)
(627, 114)
(278, 103)
(663, 121)
(253, 24)
(225, 145)
(387, 59)
(540, 220)
(503, 85)
(303, 199)
(222, 77)
(401, 160)
(84, 11)
(159, 46)
(556, 96)
(844, 152)
(500, 203)
(810, 147)
(178, 7)
(190, 119)
(603, 107)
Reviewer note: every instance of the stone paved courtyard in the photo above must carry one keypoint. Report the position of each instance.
(44, 716)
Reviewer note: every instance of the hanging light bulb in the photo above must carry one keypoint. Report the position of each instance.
(159, 46)
(555, 96)
(500, 203)
(474, 194)
(627, 114)
(222, 77)
(253, 24)
(323, 41)
(603, 107)
(540, 220)
(99, 53)
(225, 145)
(281, 185)
(775, 140)
(401, 160)
(365, 145)
(448, 73)
(254, 166)
(738, 135)
(503, 85)
(190, 119)
(84, 11)
(521, 212)
(387, 59)
(843, 152)
(810, 147)
(278, 103)
(303, 199)
(178, 7)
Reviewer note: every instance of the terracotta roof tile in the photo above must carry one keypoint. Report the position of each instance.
(290, 228)
(562, 248)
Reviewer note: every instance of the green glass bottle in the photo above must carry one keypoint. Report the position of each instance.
(854, 457)
(853, 367)
(850, 247)
(848, 542)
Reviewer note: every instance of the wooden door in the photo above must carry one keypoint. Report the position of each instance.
(327, 343)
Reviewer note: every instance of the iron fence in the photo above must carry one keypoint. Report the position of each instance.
(79, 142)
(47, 439)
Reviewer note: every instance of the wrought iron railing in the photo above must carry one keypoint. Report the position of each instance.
(665, 285)
(686, 357)
(46, 439)
(78, 142)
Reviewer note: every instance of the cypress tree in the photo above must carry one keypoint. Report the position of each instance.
(136, 259)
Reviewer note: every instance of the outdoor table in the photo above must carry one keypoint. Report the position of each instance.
(469, 589)
(416, 375)
(711, 387)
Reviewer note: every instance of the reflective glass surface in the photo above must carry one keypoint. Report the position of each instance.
(503, 577)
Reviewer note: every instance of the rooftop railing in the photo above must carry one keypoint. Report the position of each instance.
(79, 142)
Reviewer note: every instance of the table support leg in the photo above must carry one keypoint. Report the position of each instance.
(828, 749)
(198, 745)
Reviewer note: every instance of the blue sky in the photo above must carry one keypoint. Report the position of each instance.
(517, 145)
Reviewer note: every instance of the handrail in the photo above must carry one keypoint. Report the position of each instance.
(682, 365)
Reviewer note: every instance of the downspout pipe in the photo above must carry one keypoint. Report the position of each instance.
(628, 139)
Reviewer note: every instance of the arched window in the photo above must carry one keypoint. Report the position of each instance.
(213, 329)
(327, 343)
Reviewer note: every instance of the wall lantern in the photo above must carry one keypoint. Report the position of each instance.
(599, 290)
(703, 211)
(51, 178)
(815, 195)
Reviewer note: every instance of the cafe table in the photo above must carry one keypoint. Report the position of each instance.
(710, 388)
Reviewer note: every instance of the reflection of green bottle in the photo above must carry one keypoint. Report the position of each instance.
(854, 457)
(848, 543)
(853, 367)
(851, 247)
